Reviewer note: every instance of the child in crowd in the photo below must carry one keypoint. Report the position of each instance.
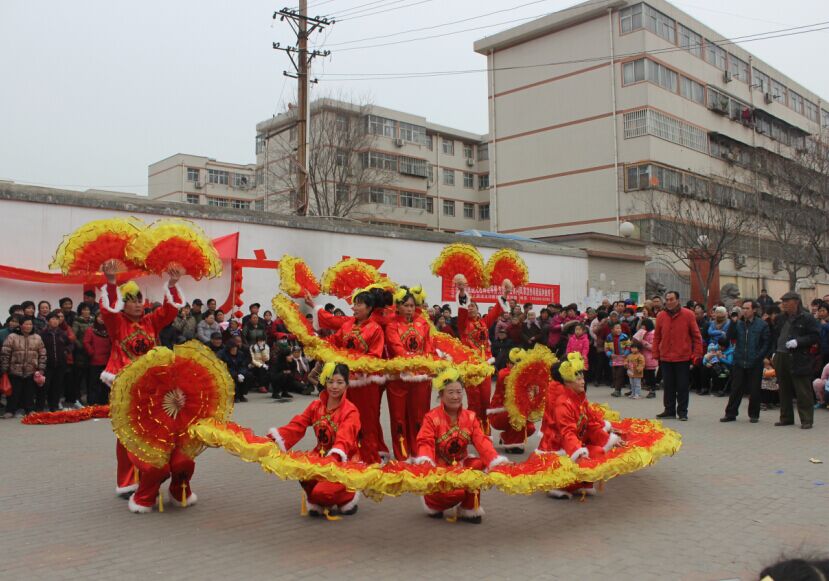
(645, 336)
(717, 365)
(819, 386)
(579, 342)
(770, 396)
(617, 348)
(635, 363)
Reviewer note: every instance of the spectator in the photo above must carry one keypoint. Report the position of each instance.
(97, 344)
(253, 330)
(220, 318)
(89, 300)
(80, 360)
(211, 305)
(601, 365)
(501, 347)
(238, 365)
(206, 327)
(185, 324)
(515, 331)
(617, 348)
(645, 336)
(260, 357)
(823, 319)
(797, 331)
(43, 310)
(282, 381)
(677, 344)
(556, 337)
(656, 305)
(531, 332)
(752, 342)
(301, 370)
(445, 327)
(819, 386)
(717, 365)
(28, 309)
(66, 306)
(254, 310)
(57, 345)
(12, 326)
(770, 398)
(22, 356)
(544, 319)
(216, 343)
(579, 342)
(233, 330)
(717, 328)
(196, 311)
(635, 364)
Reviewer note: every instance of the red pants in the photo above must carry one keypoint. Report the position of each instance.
(326, 494)
(509, 436)
(124, 470)
(441, 501)
(408, 401)
(477, 399)
(367, 400)
(180, 469)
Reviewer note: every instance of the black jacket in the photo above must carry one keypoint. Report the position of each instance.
(752, 342)
(57, 346)
(805, 330)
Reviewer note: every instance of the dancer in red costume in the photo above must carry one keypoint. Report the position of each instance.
(473, 331)
(514, 440)
(570, 427)
(132, 334)
(407, 335)
(336, 423)
(443, 441)
(363, 335)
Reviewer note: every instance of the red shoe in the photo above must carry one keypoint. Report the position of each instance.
(263, 389)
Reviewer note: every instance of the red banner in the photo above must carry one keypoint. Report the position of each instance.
(537, 294)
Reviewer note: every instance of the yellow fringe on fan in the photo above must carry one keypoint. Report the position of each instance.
(165, 229)
(126, 228)
(331, 277)
(608, 413)
(287, 274)
(512, 256)
(538, 355)
(455, 249)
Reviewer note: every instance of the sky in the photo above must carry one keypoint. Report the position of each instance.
(94, 91)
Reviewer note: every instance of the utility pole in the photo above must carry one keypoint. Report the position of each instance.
(301, 58)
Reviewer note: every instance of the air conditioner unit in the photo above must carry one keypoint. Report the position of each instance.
(470, 162)
(727, 77)
(768, 98)
(398, 142)
(740, 261)
(198, 185)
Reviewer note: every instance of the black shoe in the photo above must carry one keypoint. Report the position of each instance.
(616, 393)
(728, 419)
(435, 515)
(286, 395)
(349, 512)
(721, 394)
(475, 520)
(703, 392)
(666, 415)
(243, 399)
(513, 450)
(628, 393)
(754, 420)
(651, 395)
(314, 513)
(783, 423)
(805, 426)
(683, 418)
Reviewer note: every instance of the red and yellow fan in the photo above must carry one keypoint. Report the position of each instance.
(296, 277)
(525, 390)
(156, 398)
(174, 242)
(462, 263)
(87, 248)
(506, 265)
(347, 276)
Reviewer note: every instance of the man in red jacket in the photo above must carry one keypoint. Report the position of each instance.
(677, 344)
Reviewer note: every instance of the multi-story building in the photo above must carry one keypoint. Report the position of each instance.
(591, 105)
(193, 179)
(377, 165)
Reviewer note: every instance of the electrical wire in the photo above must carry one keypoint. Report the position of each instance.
(355, 17)
(361, 8)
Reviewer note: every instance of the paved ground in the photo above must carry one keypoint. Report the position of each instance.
(735, 497)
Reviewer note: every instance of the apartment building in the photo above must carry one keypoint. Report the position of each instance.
(378, 165)
(591, 105)
(194, 179)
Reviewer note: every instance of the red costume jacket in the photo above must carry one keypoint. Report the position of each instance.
(130, 340)
(336, 430)
(363, 338)
(475, 333)
(496, 405)
(441, 443)
(407, 339)
(571, 426)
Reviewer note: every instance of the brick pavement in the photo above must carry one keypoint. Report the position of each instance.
(735, 497)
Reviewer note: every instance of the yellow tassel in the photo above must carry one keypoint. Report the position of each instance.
(403, 447)
(600, 486)
(525, 434)
(160, 502)
(583, 496)
(322, 452)
(303, 507)
(184, 495)
(328, 516)
(477, 502)
(135, 474)
(453, 518)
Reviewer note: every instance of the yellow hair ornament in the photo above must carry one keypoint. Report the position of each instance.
(444, 378)
(129, 290)
(516, 354)
(400, 294)
(384, 285)
(327, 372)
(419, 294)
(570, 368)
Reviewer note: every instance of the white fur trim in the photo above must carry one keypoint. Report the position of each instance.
(504, 304)
(558, 493)
(274, 434)
(428, 510)
(137, 508)
(191, 500)
(125, 489)
(586, 491)
(514, 446)
(613, 441)
(495, 410)
(311, 506)
(169, 296)
(103, 301)
(491, 360)
(410, 378)
(421, 460)
(542, 452)
(443, 355)
(607, 426)
(343, 456)
(352, 503)
(471, 512)
(580, 453)
(108, 378)
(363, 380)
(497, 461)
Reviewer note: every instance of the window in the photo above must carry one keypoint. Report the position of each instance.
(448, 177)
(761, 81)
(690, 41)
(448, 146)
(192, 174)
(430, 205)
(824, 118)
(381, 126)
(469, 210)
(341, 123)
(778, 92)
(260, 176)
(192, 199)
(638, 177)
(260, 144)
(631, 18)
(715, 55)
(633, 72)
(692, 90)
(468, 180)
(341, 158)
(413, 133)
(661, 75)
(218, 202)
(636, 123)
(380, 160)
(427, 140)
(468, 151)
(483, 152)
(660, 24)
(413, 200)
(483, 181)
(240, 180)
(811, 111)
(383, 196)
(341, 193)
(259, 205)
(483, 212)
(217, 176)
(240, 204)
(738, 68)
(413, 166)
(448, 207)
(795, 102)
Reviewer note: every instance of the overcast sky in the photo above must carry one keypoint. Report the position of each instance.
(93, 91)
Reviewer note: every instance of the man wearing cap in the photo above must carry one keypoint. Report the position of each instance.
(765, 300)
(797, 330)
(196, 312)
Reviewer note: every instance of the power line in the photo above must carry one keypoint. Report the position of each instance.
(794, 31)
(359, 8)
(353, 17)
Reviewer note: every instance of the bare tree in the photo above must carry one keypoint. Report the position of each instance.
(341, 170)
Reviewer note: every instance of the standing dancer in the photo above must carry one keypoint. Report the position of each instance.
(361, 334)
(512, 439)
(132, 334)
(407, 335)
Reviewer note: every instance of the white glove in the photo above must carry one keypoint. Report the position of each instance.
(791, 344)
(265, 365)
(240, 377)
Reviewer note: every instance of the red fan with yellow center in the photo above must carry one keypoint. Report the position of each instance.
(461, 262)
(342, 279)
(295, 277)
(506, 265)
(156, 398)
(87, 248)
(172, 242)
(525, 390)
